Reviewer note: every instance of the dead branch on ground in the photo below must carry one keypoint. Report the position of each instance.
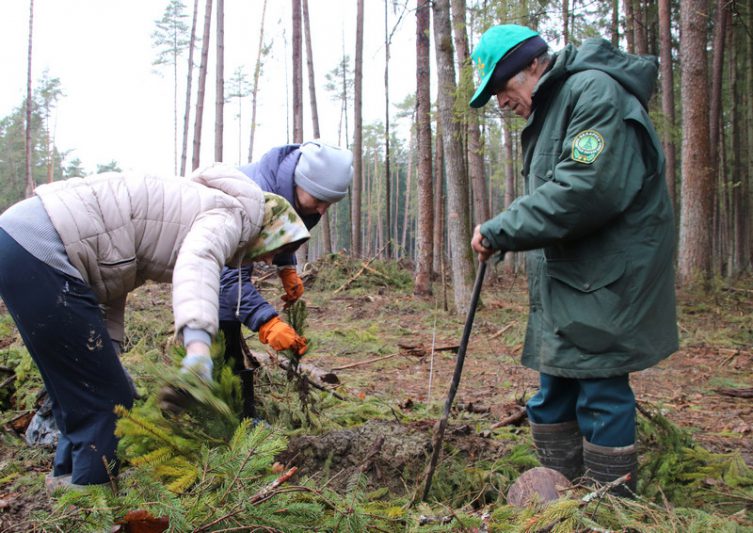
(518, 415)
(366, 362)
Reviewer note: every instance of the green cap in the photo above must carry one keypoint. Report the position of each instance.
(493, 45)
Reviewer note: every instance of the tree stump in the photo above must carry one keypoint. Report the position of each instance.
(537, 485)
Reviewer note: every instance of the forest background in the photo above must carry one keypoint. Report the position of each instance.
(392, 81)
(347, 71)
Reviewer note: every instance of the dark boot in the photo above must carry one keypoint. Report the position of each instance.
(559, 447)
(604, 464)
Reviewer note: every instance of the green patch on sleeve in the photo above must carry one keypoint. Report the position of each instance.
(587, 146)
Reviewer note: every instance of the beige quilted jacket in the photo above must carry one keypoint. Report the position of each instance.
(121, 229)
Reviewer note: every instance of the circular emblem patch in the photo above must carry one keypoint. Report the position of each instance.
(587, 146)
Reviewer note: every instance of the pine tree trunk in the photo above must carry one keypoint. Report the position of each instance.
(744, 169)
(29, 191)
(694, 261)
(195, 161)
(189, 82)
(667, 95)
(297, 73)
(219, 105)
(509, 178)
(297, 61)
(629, 25)
(565, 20)
(48, 146)
(357, 135)
(368, 188)
(175, 103)
(324, 222)
(738, 179)
(424, 237)
(408, 188)
(388, 195)
(310, 69)
(720, 32)
(457, 182)
(255, 90)
(747, 184)
(716, 162)
(439, 200)
(639, 27)
(380, 226)
(474, 148)
(615, 25)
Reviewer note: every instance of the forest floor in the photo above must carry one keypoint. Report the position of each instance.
(387, 345)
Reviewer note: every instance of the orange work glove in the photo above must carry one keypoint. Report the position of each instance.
(292, 284)
(281, 336)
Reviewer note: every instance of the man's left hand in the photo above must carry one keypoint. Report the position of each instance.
(292, 284)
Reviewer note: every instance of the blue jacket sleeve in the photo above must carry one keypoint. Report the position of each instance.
(254, 310)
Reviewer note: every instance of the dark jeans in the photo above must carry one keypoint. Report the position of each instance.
(61, 323)
(603, 407)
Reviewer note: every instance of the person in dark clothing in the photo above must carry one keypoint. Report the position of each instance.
(311, 176)
(597, 223)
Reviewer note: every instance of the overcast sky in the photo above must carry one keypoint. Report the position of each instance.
(116, 108)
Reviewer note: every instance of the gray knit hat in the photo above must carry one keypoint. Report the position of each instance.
(324, 171)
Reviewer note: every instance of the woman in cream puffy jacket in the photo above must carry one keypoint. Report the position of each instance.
(70, 255)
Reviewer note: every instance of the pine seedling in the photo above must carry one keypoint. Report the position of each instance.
(296, 315)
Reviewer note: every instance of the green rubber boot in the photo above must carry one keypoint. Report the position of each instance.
(604, 464)
(559, 447)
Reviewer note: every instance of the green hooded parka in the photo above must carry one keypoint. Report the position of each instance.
(596, 219)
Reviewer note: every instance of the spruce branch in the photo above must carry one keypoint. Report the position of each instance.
(263, 495)
(145, 427)
(245, 461)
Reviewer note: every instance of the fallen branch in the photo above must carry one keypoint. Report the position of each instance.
(364, 363)
(518, 415)
(601, 491)
(501, 331)
(264, 494)
(746, 392)
(419, 350)
(448, 348)
(267, 491)
(358, 274)
(354, 276)
(264, 277)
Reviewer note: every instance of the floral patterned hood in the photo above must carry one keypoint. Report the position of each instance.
(281, 227)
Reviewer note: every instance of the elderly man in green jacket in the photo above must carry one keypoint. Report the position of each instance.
(597, 222)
